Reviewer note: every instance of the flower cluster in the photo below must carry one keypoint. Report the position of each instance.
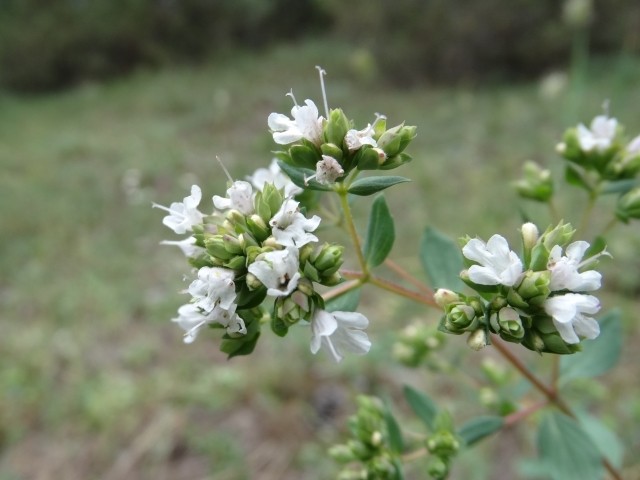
(539, 300)
(257, 258)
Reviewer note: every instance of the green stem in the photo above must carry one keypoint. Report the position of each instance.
(586, 216)
(351, 229)
(342, 289)
(553, 212)
(612, 223)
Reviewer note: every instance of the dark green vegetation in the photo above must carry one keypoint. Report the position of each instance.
(96, 382)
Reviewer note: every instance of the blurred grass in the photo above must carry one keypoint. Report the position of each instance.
(96, 382)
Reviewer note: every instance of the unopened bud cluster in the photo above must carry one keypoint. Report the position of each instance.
(443, 445)
(367, 454)
(415, 344)
(539, 300)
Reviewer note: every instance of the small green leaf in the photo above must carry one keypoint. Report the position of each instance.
(347, 302)
(567, 451)
(610, 446)
(304, 157)
(399, 473)
(598, 355)
(299, 176)
(395, 434)
(371, 185)
(380, 233)
(620, 186)
(422, 405)
(441, 259)
(573, 176)
(480, 427)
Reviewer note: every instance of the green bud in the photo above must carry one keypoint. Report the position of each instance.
(443, 444)
(215, 247)
(331, 280)
(342, 454)
(534, 288)
(258, 227)
(237, 263)
(460, 318)
(444, 297)
(237, 219)
(246, 240)
(477, 339)
(536, 183)
(368, 158)
(252, 282)
(359, 449)
(304, 156)
(553, 343)
(391, 140)
(331, 150)
(559, 235)
(570, 148)
(395, 161)
(232, 244)
(336, 127)
(381, 468)
(437, 468)
(328, 259)
(533, 341)
(293, 308)
(508, 324)
(628, 205)
(306, 287)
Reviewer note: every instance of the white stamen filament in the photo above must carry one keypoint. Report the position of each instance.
(322, 73)
(224, 169)
(290, 94)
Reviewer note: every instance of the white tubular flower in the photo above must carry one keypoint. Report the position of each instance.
(600, 136)
(278, 271)
(306, 124)
(291, 228)
(568, 313)
(355, 139)
(214, 287)
(564, 270)
(634, 146)
(277, 177)
(339, 333)
(191, 319)
(188, 246)
(184, 215)
(240, 197)
(328, 170)
(497, 264)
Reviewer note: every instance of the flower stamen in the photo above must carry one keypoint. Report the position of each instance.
(322, 73)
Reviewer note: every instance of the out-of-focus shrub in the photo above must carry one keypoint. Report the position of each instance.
(461, 40)
(47, 44)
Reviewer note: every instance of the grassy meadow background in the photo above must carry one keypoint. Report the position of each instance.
(95, 382)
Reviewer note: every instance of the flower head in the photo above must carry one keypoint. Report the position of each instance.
(339, 332)
(306, 123)
(184, 215)
(240, 197)
(291, 228)
(497, 264)
(213, 288)
(277, 177)
(569, 316)
(278, 271)
(564, 269)
(355, 139)
(191, 319)
(600, 136)
(328, 170)
(188, 246)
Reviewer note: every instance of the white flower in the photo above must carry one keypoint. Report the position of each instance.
(306, 124)
(278, 271)
(564, 270)
(291, 228)
(568, 313)
(191, 319)
(497, 264)
(183, 215)
(188, 246)
(214, 287)
(339, 333)
(240, 197)
(328, 170)
(634, 146)
(600, 136)
(277, 177)
(355, 139)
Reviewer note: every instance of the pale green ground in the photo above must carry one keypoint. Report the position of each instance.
(96, 382)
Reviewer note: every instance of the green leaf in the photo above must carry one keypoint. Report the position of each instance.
(620, 186)
(573, 176)
(480, 427)
(567, 451)
(395, 434)
(441, 259)
(347, 302)
(422, 405)
(371, 185)
(299, 176)
(598, 355)
(399, 473)
(610, 446)
(380, 233)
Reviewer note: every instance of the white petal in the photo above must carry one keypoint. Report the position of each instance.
(483, 275)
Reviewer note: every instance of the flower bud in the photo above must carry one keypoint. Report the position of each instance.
(232, 244)
(390, 141)
(477, 339)
(215, 247)
(443, 444)
(336, 127)
(238, 262)
(437, 468)
(235, 217)
(293, 308)
(444, 297)
(368, 158)
(530, 235)
(258, 227)
(559, 235)
(252, 282)
(246, 240)
(628, 205)
(328, 259)
(382, 468)
(534, 288)
(460, 318)
(341, 454)
(303, 156)
(332, 150)
(508, 324)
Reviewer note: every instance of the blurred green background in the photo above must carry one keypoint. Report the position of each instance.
(107, 106)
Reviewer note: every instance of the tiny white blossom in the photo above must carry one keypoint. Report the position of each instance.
(306, 124)
(634, 146)
(239, 197)
(328, 170)
(564, 269)
(183, 215)
(599, 136)
(355, 139)
(277, 177)
(213, 287)
(339, 333)
(497, 264)
(188, 246)
(569, 313)
(291, 228)
(278, 271)
(191, 319)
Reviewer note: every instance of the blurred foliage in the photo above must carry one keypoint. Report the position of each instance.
(463, 40)
(47, 44)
